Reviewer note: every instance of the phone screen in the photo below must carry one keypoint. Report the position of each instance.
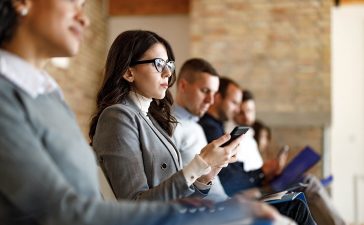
(237, 132)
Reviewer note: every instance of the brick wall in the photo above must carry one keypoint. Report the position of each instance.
(81, 80)
(278, 49)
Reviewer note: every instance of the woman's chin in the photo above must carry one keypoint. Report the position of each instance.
(160, 96)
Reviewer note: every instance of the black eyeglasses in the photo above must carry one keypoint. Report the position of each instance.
(158, 63)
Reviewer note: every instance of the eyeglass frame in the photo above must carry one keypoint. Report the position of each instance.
(154, 63)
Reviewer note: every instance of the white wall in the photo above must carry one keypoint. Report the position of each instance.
(347, 131)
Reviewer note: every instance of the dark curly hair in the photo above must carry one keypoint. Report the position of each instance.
(9, 21)
(129, 47)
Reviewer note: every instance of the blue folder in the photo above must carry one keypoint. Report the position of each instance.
(293, 172)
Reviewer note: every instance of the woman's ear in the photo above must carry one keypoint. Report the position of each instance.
(128, 75)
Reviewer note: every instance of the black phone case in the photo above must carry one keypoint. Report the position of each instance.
(235, 133)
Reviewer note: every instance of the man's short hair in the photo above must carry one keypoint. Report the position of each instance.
(247, 95)
(224, 84)
(195, 65)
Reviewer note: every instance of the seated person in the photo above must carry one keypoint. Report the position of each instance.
(197, 83)
(47, 169)
(263, 137)
(226, 106)
(132, 130)
(234, 177)
(318, 199)
(321, 206)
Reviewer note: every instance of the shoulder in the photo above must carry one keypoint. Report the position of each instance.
(122, 111)
(7, 89)
(208, 124)
(10, 95)
(187, 126)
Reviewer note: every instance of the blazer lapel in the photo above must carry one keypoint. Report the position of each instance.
(164, 137)
(160, 133)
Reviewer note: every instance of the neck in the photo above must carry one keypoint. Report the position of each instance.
(179, 100)
(27, 48)
(214, 112)
(142, 102)
(38, 63)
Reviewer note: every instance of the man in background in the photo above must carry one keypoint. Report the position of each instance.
(234, 177)
(197, 83)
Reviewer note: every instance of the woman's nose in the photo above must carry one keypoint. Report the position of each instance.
(166, 72)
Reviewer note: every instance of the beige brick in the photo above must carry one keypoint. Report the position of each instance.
(280, 49)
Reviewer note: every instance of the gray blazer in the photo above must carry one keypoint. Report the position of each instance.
(48, 171)
(138, 157)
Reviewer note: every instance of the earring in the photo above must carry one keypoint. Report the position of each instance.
(24, 11)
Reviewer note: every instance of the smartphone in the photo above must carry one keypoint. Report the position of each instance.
(237, 132)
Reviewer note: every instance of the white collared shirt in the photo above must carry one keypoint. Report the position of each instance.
(248, 151)
(30, 79)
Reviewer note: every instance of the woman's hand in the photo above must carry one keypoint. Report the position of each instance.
(205, 179)
(217, 156)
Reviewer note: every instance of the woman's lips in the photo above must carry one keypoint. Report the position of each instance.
(78, 32)
(164, 85)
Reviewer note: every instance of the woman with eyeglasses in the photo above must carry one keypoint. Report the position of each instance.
(132, 128)
(48, 172)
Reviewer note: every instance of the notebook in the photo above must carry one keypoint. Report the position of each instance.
(295, 169)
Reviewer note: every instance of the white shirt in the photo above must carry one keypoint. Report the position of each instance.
(248, 151)
(30, 79)
(190, 138)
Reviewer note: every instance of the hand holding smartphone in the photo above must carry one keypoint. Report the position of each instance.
(237, 132)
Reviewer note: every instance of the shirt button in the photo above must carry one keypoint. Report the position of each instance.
(193, 210)
(183, 211)
(221, 208)
(251, 180)
(192, 177)
(164, 166)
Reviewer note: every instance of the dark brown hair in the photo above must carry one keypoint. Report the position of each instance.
(9, 21)
(247, 95)
(258, 127)
(224, 84)
(127, 48)
(195, 65)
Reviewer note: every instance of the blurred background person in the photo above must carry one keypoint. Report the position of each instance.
(234, 177)
(263, 137)
(318, 199)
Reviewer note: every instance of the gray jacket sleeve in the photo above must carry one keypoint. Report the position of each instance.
(129, 162)
(34, 191)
